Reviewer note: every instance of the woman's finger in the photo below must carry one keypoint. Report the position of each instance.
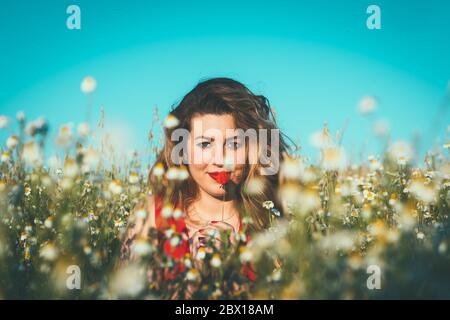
(213, 232)
(223, 225)
(196, 241)
(227, 226)
(210, 232)
(220, 226)
(194, 245)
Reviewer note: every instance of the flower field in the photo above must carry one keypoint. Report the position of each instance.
(376, 230)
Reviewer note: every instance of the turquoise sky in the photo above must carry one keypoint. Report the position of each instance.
(314, 60)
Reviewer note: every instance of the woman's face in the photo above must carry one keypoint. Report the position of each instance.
(213, 146)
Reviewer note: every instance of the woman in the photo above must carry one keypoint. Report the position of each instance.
(222, 185)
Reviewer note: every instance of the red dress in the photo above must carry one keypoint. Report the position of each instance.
(182, 249)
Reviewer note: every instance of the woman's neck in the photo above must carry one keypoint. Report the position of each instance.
(210, 207)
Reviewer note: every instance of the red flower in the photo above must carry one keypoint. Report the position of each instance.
(176, 252)
(248, 270)
(221, 177)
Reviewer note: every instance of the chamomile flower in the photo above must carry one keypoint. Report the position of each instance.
(83, 129)
(4, 122)
(183, 173)
(118, 223)
(20, 116)
(133, 178)
(171, 121)
(115, 187)
(374, 163)
(48, 223)
(172, 173)
(70, 168)
(91, 159)
(158, 170)
(368, 195)
(334, 158)
(201, 253)
(245, 254)
(12, 142)
(142, 247)
(367, 105)
(88, 85)
(174, 241)
(32, 153)
(177, 213)
(216, 262)
(141, 213)
(65, 135)
(192, 274)
(5, 156)
(292, 168)
(322, 139)
(255, 185)
(167, 211)
(48, 252)
(401, 152)
(268, 204)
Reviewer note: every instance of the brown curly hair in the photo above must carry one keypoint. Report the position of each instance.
(221, 96)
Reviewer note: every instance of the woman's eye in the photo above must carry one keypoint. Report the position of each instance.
(234, 145)
(204, 144)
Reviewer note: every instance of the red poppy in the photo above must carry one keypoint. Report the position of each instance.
(221, 177)
(176, 252)
(162, 223)
(248, 270)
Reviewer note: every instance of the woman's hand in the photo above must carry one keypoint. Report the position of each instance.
(212, 231)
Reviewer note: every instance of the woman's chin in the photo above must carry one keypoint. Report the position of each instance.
(216, 192)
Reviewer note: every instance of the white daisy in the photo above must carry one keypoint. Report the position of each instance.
(88, 85)
(216, 262)
(367, 105)
(171, 121)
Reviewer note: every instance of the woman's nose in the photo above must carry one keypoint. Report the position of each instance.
(218, 156)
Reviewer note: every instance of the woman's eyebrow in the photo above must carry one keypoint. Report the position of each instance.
(212, 138)
(232, 138)
(203, 137)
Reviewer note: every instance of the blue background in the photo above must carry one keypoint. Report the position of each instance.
(314, 60)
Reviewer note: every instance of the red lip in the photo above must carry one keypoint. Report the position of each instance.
(221, 177)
